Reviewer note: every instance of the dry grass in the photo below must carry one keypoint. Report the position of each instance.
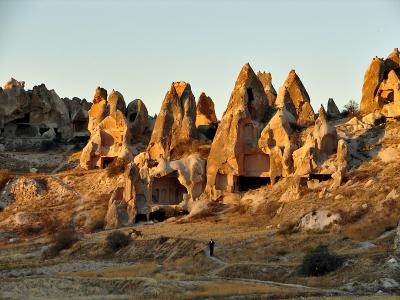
(142, 269)
(233, 288)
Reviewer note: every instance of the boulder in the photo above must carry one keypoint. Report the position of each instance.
(332, 110)
(342, 158)
(294, 97)
(205, 113)
(99, 110)
(266, 80)
(109, 140)
(175, 125)
(120, 213)
(318, 220)
(374, 119)
(234, 151)
(138, 118)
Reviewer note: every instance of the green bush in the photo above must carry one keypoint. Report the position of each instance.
(117, 240)
(320, 261)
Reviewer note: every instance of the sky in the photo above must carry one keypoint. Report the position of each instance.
(140, 47)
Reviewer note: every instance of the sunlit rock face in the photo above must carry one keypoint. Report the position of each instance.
(108, 141)
(294, 97)
(138, 118)
(266, 80)
(175, 125)
(206, 120)
(234, 151)
(381, 87)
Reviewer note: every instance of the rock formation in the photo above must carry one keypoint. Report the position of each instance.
(28, 118)
(205, 113)
(332, 110)
(266, 80)
(99, 109)
(381, 88)
(206, 120)
(138, 118)
(234, 152)
(319, 145)
(108, 141)
(275, 141)
(294, 97)
(116, 102)
(176, 123)
(120, 212)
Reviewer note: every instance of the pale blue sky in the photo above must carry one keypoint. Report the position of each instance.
(140, 47)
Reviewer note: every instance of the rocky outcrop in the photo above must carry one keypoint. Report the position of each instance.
(381, 88)
(120, 212)
(332, 110)
(205, 112)
(29, 118)
(175, 125)
(116, 102)
(109, 141)
(234, 151)
(319, 145)
(206, 120)
(266, 80)
(294, 97)
(275, 141)
(138, 118)
(99, 109)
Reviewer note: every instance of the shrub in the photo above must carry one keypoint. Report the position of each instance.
(4, 177)
(115, 168)
(351, 109)
(97, 225)
(64, 239)
(288, 228)
(30, 230)
(320, 261)
(117, 240)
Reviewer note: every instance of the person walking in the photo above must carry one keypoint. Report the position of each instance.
(211, 245)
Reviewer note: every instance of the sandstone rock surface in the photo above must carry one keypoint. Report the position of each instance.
(108, 141)
(266, 80)
(293, 96)
(138, 117)
(175, 124)
(234, 151)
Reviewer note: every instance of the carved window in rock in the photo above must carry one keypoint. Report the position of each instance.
(156, 196)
